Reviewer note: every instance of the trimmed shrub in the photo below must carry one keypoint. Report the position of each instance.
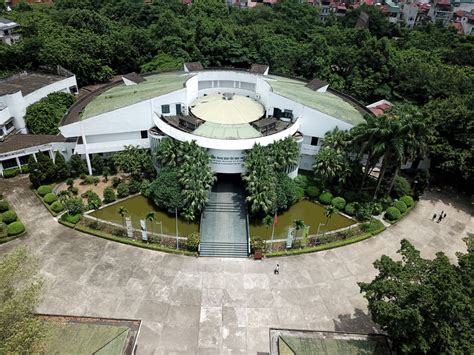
(134, 186)
(3, 230)
(393, 214)
(57, 207)
(122, 190)
(401, 206)
(88, 180)
(376, 208)
(70, 182)
(302, 181)
(74, 206)
(43, 190)
(401, 187)
(350, 209)
(374, 225)
(109, 195)
(4, 206)
(339, 203)
(312, 191)
(9, 173)
(192, 242)
(299, 193)
(15, 228)
(9, 217)
(96, 180)
(71, 218)
(408, 200)
(50, 198)
(325, 198)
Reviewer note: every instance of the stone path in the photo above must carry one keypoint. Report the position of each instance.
(212, 305)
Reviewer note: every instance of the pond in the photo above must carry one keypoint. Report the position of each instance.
(310, 212)
(138, 207)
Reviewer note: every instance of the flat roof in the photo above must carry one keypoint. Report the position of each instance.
(27, 82)
(122, 95)
(228, 131)
(325, 102)
(23, 141)
(237, 110)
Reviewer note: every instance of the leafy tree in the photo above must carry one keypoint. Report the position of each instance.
(135, 161)
(62, 168)
(425, 306)
(165, 190)
(109, 195)
(43, 117)
(162, 62)
(331, 165)
(21, 291)
(74, 206)
(77, 165)
(97, 164)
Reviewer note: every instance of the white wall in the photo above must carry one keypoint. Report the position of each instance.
(62, 85)
(227, 161)
(17, 107)
(5, 115)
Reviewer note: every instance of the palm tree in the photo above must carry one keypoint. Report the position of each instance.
(268, 221)
(169, 152)
(150, 216)
(329, 211)
(122, 211)
(331, 164)
(298, 224)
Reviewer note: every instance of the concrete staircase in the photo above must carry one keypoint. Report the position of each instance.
(224, 222)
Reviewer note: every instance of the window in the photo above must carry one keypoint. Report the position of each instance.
(9, 125)
(165, 108)
(144, 134)
(287, 114)
(314, 140)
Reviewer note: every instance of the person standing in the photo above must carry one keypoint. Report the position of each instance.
(439, 218)
(434, 217)
(277, 270)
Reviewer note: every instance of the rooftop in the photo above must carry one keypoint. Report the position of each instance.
(326, 102)
(121, 95)
(24, 141)
(27, 82)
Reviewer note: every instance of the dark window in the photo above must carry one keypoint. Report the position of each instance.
(9, 125)
(165, 108)
(314, 140)
(24, 159)
(10, 163)
(287, 114)
(144, 134)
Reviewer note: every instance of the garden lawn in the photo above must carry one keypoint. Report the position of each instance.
(79, 338)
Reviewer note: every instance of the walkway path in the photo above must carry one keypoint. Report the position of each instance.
(213, 305)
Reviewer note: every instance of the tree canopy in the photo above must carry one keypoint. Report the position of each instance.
(425, 306)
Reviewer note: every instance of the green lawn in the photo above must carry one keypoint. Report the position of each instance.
(82, 338)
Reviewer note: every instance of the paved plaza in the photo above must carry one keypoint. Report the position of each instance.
(219, 306)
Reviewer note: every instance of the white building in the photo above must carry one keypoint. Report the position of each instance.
(9, 31)
(225, 111)
(17, 92)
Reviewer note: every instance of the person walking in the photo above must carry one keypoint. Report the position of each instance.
(434, 217)
(444, 216)
(277, 270)
(439, 218)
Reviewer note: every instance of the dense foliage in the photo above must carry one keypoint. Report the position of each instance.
(43, 116)
(430, 67)
(425, 306)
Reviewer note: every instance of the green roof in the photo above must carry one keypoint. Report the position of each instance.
(228, 131)
(121, 95)
(325, 102)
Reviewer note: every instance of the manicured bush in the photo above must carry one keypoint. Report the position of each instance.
(376, 208)
(401, 187)
(88, 180)
(43, 190)
(392, 214)
(109, 195)
(50, 198)
(302, 181)
(193, 241)
(402, 207)
(312, 191)
(9, 217)
(122, 190)
(71, 218)
(57, 207)
(15, 228)
(70, 182)
(3, 230)
(408, 200)
(9, 173)
(96, 180)
(74, 206)
(374, 225)
(299, 193)
(350, 209)
(4, 206)
(325, 198)
(134, 186)
(339, 203)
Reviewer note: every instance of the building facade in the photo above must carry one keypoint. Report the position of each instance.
(225, 111)
(9, 31)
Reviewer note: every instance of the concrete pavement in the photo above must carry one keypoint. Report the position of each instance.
(212, 305)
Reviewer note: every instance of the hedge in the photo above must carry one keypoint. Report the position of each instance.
(15, 228)
(392, 214)
(325, 198)
(408, 200)
(43, 190)
(350, 209)
(377, 208)
(71, 218)
(339, 203)
(9, 217)
(57, 207)
(401, 206)
(9, 173)
(4, 206)
(49, 198)
(312, 191)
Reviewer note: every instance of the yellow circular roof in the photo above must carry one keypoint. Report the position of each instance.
(218, 109)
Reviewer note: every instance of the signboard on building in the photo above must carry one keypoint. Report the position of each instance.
(128, 223)
(143, 229)
(289, 238)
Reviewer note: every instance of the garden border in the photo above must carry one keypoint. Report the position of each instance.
(12, 237)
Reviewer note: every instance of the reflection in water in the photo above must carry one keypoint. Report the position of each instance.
(310, 212)
(138, 207)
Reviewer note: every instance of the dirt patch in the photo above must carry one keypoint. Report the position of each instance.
(98, 189)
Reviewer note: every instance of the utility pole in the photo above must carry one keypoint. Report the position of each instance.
(177, 240)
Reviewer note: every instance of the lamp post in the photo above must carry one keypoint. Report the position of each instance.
(177, 240)
(161, 230)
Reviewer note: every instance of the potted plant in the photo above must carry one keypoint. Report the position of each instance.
(258, 246)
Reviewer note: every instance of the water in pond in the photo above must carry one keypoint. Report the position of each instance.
(310, 212)
(138, 207)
